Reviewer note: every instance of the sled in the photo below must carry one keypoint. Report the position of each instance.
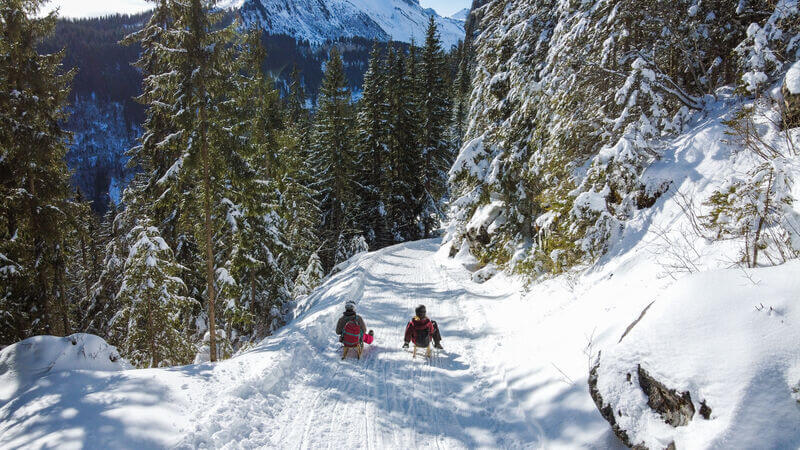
(358, 348)
(428, 351)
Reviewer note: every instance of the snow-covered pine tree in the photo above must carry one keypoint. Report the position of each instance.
(34, 181)
(84, 246)
(435, 109)
(372, 164)
(462, 86)
(152, 302)
(101, 306)
(757, 208)
(254, 286)
(185, 148)
(770, 42)
(298, 199)
(309, 278)
(333, 153)
(537, 115)
(404, 156)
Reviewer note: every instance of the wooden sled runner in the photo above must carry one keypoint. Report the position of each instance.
(428, 351)
(358, 349)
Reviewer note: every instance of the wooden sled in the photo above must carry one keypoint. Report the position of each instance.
(359, 349)
(428, 351)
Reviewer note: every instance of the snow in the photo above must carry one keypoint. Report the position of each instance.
(742, 367)
(26, 361)
(793, 79)
(461, 15)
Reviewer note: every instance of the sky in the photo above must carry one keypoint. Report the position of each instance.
(93, 8)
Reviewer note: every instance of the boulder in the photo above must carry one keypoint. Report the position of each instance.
(675, 408)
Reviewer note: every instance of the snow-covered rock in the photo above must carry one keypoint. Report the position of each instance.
(320, 20)
(711, 362)
(25, 361)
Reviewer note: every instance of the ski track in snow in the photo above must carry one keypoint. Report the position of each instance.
(293, 391)
(387, 399)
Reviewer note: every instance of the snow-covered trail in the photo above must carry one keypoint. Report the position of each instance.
(511, 376)
(385, 400)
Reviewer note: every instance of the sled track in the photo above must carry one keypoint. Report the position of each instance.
(385, 400)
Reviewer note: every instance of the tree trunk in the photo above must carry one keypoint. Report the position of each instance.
(253, 297)
(152, 334)
(212, 340)
(86, 283)
(43, 292)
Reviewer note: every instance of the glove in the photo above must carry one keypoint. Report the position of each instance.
(405, 345)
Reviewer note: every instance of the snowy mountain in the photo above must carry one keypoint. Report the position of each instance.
(461, 15)
(320, 20)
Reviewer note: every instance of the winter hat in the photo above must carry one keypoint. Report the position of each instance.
(350, 305)
(420, 311)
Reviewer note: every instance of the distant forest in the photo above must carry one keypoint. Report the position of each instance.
(106, 118)
(104, 65)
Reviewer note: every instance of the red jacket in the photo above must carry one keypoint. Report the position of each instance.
(416, 324)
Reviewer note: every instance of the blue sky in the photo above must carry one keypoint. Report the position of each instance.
(83, 8)
(446, 7)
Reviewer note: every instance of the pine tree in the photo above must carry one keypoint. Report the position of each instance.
(461, 93)
(251, 275)
(187, 144)
(298, 205)
(34, 181)
(373, 155)
(405, 182)
(83, 246)
(333, 152)
(309, 278)
(435, 108)
(152, 302)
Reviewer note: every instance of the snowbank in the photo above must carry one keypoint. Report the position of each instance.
(24, 362)
(730, 339)
(793, 79)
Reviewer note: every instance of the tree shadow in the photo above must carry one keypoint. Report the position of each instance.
(87, 409)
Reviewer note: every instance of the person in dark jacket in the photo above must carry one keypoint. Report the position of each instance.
(422, 328)
(349, 315)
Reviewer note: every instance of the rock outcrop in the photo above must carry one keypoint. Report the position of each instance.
(675, 408)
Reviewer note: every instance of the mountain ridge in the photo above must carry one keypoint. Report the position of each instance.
(318, 21)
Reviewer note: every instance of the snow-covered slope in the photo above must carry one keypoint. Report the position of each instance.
(461, 15)
(514, 372)
(321, 20)
(40, 356)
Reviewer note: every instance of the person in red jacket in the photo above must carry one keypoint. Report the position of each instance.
(421, 330)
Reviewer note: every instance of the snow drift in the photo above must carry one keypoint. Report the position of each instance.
(39, 356)
(728, 342)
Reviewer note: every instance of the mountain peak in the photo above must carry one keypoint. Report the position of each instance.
(322, 20)
(461, 15)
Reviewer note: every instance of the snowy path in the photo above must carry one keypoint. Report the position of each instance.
(494, 386)
(386, 400)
